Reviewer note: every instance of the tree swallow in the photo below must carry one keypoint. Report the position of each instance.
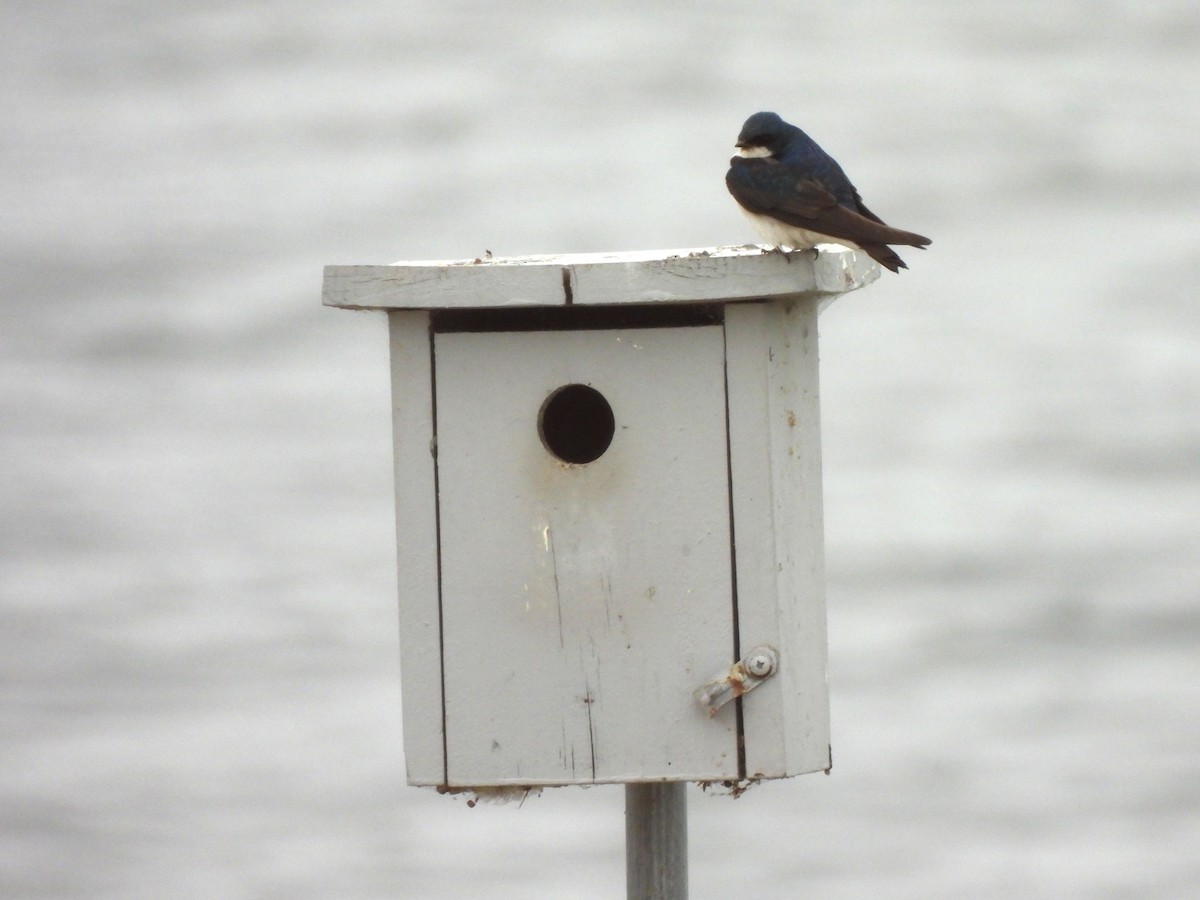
(795, 194)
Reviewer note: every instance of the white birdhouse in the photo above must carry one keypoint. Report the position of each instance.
(608, 495)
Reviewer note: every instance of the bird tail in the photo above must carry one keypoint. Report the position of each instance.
(907, 238)
(892, 235)
(879, 250)
(886, 256)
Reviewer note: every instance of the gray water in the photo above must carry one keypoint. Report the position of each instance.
(198, 651)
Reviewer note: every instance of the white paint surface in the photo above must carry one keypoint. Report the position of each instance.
(584, 604)
(775, 451)
(416, 546)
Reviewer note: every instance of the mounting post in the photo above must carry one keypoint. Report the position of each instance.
(656, 840)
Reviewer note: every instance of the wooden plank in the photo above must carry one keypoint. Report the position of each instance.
(747, 348)
(798, 509)
(771, 352)
(719, 274)
(584, 604)
(441, 285)
(416, 546)
(713, 274)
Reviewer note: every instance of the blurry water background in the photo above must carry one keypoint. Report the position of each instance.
(198, 645)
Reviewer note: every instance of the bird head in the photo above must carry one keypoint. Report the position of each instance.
(764, 134)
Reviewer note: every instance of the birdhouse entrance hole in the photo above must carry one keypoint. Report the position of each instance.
(576, 424)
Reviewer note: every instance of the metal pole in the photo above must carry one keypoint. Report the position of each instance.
(656, 841)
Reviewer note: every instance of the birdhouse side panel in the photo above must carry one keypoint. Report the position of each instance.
(775, 468)
(416, 546)
(798, 510)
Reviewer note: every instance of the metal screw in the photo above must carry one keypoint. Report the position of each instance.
(761, 662)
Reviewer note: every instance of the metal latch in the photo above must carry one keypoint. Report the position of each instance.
(744, 675)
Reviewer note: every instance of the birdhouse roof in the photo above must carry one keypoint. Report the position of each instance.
(707, 275)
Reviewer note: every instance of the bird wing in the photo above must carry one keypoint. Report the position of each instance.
(770, 188)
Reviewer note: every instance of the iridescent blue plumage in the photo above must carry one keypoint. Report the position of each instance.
(796, 195)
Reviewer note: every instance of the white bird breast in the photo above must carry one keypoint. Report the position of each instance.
(780, 234)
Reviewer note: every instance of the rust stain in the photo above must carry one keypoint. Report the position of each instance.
(736, 678)
(730, 787)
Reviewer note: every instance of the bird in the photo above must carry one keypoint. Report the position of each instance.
(797, 196)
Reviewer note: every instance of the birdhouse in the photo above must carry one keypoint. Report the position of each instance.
(608, 506)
